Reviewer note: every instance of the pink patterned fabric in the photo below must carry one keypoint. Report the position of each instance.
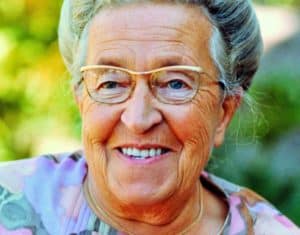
(44, 196)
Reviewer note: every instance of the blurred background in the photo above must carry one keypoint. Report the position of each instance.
(262, 149)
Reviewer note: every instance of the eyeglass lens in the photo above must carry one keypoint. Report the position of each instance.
(111, 85)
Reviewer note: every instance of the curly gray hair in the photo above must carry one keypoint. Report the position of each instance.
(236, 44)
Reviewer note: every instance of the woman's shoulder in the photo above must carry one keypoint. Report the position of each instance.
(250, 213)
(14, 175)
(266, 218)
(42, 193)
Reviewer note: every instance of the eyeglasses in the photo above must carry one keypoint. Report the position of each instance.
(170, 85)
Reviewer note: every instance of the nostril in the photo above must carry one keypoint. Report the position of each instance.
(140, 119)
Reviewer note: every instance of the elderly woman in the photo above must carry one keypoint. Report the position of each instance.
(156, 84)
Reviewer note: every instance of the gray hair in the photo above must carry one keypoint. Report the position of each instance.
(236, 44)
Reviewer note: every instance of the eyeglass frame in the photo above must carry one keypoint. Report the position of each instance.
(191, 68)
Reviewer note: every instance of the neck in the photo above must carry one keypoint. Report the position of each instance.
(168, 217)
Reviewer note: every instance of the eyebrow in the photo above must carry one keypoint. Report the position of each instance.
(167, 60)
(112, 61)
(157, 62)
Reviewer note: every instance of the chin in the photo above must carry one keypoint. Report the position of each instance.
(143, 192)
(135, 182)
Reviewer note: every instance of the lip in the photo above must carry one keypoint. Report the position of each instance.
(132, 161)
(143, 146)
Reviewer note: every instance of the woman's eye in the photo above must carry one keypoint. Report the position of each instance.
(174, 81)
(112, 80)
(176, 84)
(109, 85)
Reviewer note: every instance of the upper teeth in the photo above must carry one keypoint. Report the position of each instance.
(144, 153)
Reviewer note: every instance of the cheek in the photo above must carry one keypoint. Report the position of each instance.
(194, 126)
(197, 138)
(98, 121)
(195, 123)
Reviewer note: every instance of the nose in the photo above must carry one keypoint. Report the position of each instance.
(140, 113)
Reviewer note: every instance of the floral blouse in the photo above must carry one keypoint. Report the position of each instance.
(44, 196)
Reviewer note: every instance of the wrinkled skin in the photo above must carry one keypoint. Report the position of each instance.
(143, 37)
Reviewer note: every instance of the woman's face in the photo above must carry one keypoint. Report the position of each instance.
(142, 37)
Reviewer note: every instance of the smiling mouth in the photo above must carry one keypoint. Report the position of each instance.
(141, 154)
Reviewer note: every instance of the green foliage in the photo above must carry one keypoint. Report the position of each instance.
(37, 108)
(35, 96)
(295, 3)
(262, 149)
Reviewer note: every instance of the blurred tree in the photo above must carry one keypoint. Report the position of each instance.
(295, 3)
(35, 98)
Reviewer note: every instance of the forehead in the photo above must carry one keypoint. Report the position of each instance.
(144, 33)
(149, 14)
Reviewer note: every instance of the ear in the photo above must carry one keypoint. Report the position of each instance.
(228, 109)
(77, 94)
